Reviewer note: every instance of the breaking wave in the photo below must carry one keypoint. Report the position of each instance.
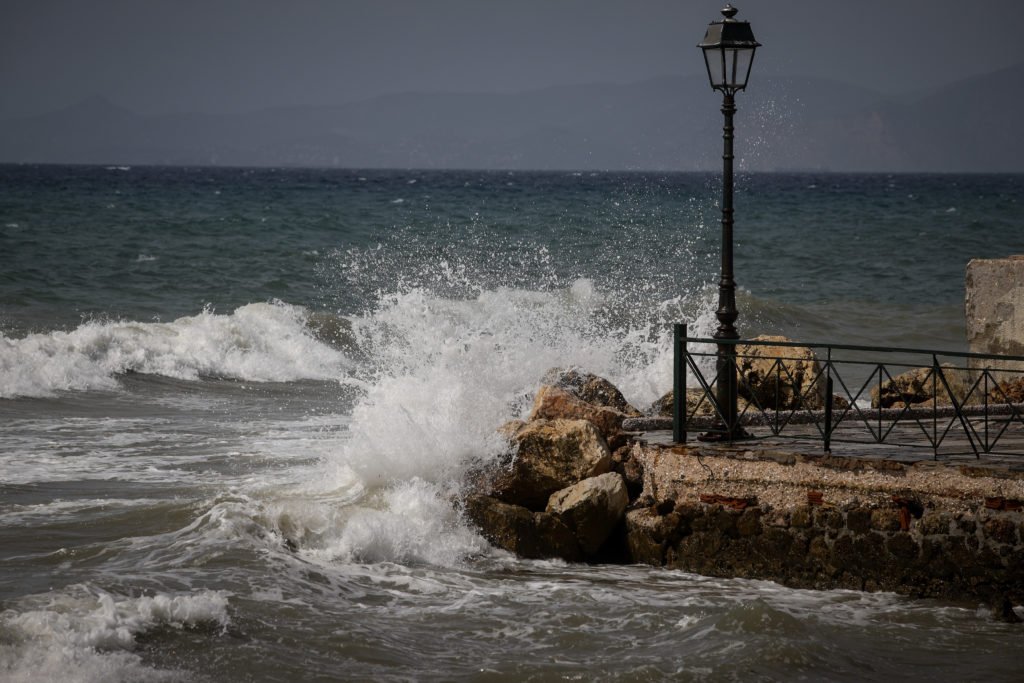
(259, 342)
(82, 633)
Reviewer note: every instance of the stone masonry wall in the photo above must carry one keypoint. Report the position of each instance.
(965, 555)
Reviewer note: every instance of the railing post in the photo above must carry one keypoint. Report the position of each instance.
(935, 406)
(985, 403)
(937, 369)
(679, 383)
(880, 438)
(828, 414)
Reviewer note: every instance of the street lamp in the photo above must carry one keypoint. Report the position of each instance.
(728, 47)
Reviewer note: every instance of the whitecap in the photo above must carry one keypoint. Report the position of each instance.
(258, 342)
(443, 374)
(416, 524)
(86, 633)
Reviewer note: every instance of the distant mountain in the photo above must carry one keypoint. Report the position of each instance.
(661, 124)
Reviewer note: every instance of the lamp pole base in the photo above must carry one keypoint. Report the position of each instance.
(724, 437)
(720, 434)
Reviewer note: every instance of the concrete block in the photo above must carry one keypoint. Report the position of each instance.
(994, 308)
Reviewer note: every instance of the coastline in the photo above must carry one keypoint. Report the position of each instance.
(581, 485)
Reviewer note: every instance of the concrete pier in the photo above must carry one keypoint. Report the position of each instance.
(898, 521)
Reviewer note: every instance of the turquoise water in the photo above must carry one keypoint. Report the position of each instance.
(235, 403)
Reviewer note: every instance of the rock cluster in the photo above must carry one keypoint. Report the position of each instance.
(561, 492)
(924, 387)
(698, 402)
(1008, 392)
(771, 377)
(792, 382)
(790, 378)
(815, 521)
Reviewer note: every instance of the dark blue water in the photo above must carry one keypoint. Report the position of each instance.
(235, 404)
(159, 242)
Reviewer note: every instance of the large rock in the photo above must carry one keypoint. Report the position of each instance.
(528, 534)
(650, 534)
(556, 403)
(591, 389)
(1008, 392)
(591, 509)
(626, 463)
(787, 383)
(550, 455)
(920, 385)
(697, 403)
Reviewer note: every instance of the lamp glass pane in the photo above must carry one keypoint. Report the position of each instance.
(714, 58)
(740, 67)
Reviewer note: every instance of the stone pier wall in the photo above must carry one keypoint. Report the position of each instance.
(930, 531)
(994, 308)
(976, 554)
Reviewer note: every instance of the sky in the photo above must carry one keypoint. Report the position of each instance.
(220, 56)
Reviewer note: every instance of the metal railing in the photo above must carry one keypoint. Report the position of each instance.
(968, 404)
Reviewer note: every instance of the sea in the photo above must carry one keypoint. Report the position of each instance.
(238, 407)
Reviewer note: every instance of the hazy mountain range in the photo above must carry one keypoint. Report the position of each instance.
(661, 124)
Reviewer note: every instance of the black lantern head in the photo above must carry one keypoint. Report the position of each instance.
(729, 52)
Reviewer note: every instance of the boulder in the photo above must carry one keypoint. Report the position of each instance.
(840, 402)
(590, 388)
(481, 473)
(786, 383)
(554, 403)
(626, 463)
(509, 429)
(915, 387)
(534, 535)
(651, 533)
(697, 403)
(550, 455)
(1008, 392)
(591, 509)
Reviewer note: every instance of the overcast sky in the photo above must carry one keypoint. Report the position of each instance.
(158, 56)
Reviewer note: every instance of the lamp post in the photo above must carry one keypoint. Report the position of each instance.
(728, 47)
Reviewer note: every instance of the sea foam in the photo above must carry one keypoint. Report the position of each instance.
(441, 375)
(449, 372)
(257, 342)
(82, 633)
(417, 525)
